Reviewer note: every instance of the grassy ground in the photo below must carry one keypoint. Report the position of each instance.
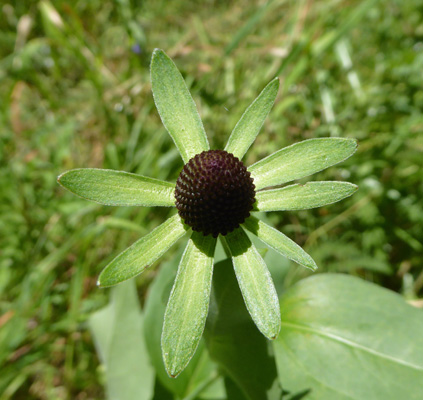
(75, 92)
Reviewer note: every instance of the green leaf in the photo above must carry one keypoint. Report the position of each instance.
(117, 331)
(248, 127)
(303, 197)
(188, 304)
(142, 253)
(300, 160)
(234, 342)
(176, 107)
(279, 242)
(255, 283)
(117, 188)
(201, 370)
(376, 334)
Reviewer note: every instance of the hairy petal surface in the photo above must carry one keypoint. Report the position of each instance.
(143, 253)
(303, 197)
(300, 160)
(248, 127)
(118, 188)
(279, 242)
(176, 107)
(255, 282)
(188, 304)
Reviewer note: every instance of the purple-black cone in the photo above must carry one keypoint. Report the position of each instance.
(214, 193)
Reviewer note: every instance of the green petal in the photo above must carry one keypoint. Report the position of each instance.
(248, 127)
(302, 197)
(142, 253)
(188, 304)
(300, 160)
(176, 107)
(256, 284)
(117, 188)
(279, 242)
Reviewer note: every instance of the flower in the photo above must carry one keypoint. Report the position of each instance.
(214, 195)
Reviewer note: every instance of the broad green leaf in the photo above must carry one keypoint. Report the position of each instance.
(200, 370)
(176, 107)
(233, 340)
(248, 127)
(255, 283)
(279, 242)
(373, 332)
(117, 188)
(142, 253)
(303, 197)
(300, 160)
(117, 331)
(188, 304)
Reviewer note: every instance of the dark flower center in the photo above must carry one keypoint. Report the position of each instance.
(214, 193)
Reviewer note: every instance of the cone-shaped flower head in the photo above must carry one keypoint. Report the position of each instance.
(214, 193)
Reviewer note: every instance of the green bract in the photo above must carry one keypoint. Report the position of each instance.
(188, 303)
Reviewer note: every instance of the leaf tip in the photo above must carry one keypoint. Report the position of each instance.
(354, 142)
(104, 281)
(172, 370)
(101, 284)
(311, 264)
(274, 333)
(59, 178)
(157, 51)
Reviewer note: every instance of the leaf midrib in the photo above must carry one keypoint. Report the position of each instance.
(350, 343)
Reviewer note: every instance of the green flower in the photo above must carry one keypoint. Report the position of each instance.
(187, 308)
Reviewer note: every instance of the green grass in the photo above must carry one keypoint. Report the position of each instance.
(75, 94)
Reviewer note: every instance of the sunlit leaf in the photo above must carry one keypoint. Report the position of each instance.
(200, 370)
(117, 331)
(378, 337)
(234, 342)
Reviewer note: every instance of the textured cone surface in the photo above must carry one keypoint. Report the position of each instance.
(214, 193)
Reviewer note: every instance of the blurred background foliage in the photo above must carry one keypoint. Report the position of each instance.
(75, 92)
